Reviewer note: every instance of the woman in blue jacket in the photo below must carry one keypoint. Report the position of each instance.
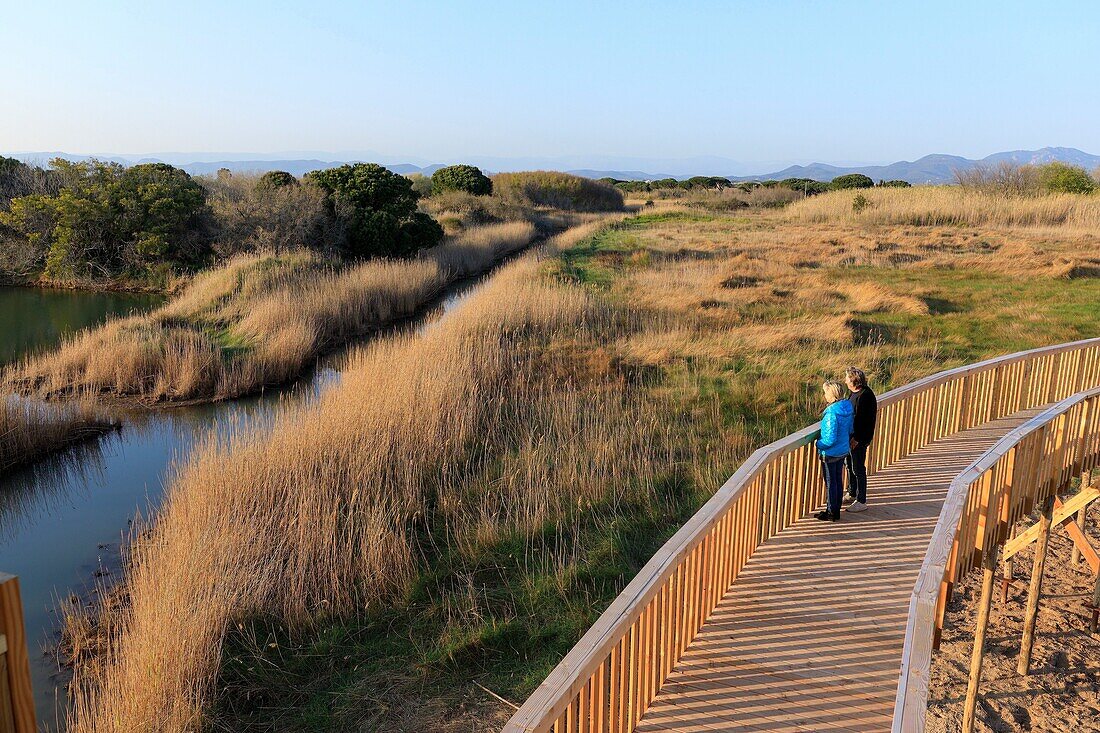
(836, 432)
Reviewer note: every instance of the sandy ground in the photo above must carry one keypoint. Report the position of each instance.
(1062, 693)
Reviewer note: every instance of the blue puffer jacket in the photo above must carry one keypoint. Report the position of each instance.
(836, 429)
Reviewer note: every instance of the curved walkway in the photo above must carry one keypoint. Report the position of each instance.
(809, 637)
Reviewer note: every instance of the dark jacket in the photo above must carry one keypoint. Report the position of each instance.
(866, 407)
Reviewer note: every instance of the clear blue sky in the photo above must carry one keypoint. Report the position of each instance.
(752, 81)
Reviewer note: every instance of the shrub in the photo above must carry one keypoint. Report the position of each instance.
(422, 184)
(19, 179)
(1005, 179)
(251, 214)
(852, 180)
(276, 179)
(559, 190)
(471, 209)
(860, 202)
(808, 186)
(107, 220)
(466, 178)
(1061, 178)
(630, 186)
(895, 184)
(712, 182)
(378, 208)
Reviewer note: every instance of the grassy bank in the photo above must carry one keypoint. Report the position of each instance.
(29, 431)
(259, 320)
(454, 514)
(950, 205)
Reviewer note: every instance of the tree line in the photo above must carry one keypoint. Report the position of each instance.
(93, 221)
(808, 186)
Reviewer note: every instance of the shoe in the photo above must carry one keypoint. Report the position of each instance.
(824, 516)
(857, 506)
(848, 498)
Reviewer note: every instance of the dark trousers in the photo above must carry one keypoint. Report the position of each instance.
(833, 472)
(857, 474)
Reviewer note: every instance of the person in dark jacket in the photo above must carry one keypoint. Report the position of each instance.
(833, 445)
(863, 432)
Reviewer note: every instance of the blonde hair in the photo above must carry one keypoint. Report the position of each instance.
(834, 391)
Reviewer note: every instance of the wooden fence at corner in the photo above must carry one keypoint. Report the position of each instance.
(16, 698)
(1027, 467)
(607, 681)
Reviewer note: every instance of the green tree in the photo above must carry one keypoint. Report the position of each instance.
(276, 179)
(379, 210)
(468, 178)
(107, 220)
(895, 184)
(1061, 178)
(421, 183)
(852, 180)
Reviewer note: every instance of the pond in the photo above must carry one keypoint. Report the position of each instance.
(36, 318)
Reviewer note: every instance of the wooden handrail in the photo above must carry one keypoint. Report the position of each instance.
(16, 701)
(610, 677)
(1025, 467)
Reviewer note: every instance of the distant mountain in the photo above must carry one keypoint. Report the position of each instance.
(619, 175)
(931, 168)
(294, 167)
(935, 168)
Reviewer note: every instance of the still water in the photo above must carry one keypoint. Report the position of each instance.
(64, 520)
(36, 318)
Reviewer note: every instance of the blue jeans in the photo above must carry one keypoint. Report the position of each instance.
(833, 471)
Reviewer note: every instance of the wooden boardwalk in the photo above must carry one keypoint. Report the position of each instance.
(809, 637)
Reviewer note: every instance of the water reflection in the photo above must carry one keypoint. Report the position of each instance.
(64, 519)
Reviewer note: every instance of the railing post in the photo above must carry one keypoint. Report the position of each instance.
(989, 571)
(1035, 590)
(16, 698)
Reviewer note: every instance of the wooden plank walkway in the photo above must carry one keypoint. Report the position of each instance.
(809, 637)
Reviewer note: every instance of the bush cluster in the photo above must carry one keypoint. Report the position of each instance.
(467, 178)
(557, 190)
(106, 220)
(1013, 179)
(852, 180)
(806, 186)
(93, 220)
(378, 208)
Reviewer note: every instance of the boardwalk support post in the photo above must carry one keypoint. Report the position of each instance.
(16, 700)
(1075, 560)
(989, 568)
(1009, 570)
(1035, 590)
(1095, 606)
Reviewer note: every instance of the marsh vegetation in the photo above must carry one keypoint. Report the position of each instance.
(454, 514)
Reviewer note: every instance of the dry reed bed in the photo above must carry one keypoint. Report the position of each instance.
(476, 429)
(258, 320)
(949, 205)
(29, 430)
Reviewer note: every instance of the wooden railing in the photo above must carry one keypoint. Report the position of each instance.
(1027, 467)
(608, 680)
(16, 700)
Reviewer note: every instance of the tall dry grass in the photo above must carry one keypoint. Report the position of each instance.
(29, 430)
(259, 320)
(949, 205)
(329, 511)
